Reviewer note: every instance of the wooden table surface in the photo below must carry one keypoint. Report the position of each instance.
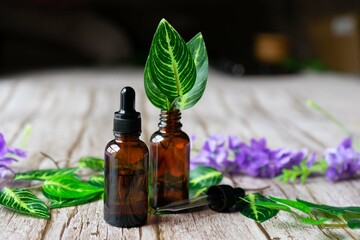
(71, 116)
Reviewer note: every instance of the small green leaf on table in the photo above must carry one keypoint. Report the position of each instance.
(69, 186)
(23, 201)
(205, 176)
(196, 191)
(257, 212)
(354, 223)
(42, 175)
(97, 181)
(58, 202)
(274, 205)
(96, 164)
(352, 209)
(295, 204)
(324, 208)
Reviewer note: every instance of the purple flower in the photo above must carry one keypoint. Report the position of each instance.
(229, 154)
(254, 159)
(343, 161)
(260, 161)
(7, 156)
(212, 153)
(220, 152)
(311, 160)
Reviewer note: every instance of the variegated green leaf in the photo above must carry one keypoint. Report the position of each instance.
(257, 212)
(42, 175)
(93, 163)
(295, 204)
(196, 191)
(203, 176)
(57, 202)
(68, 186)
(274, 205)
(170, 62)
(97, 181)
(23, 201)
(198, 51)
(156, 97)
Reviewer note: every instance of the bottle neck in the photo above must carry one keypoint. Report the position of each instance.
(125, 137)
(170, 121)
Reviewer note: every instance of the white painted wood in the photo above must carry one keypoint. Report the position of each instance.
(71, 116)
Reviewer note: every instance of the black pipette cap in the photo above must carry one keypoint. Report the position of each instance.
(223, 197)
(127, 120)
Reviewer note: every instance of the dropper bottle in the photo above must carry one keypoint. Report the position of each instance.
(126, 166)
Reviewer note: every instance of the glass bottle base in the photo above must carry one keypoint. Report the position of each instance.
(126, 220)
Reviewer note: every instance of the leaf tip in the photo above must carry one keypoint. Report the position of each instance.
(163, 21)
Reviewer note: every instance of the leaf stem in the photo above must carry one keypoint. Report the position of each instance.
(333, 225)
(50, 158)
(34, 187)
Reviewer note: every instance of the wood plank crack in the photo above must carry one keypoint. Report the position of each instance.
(158, 232)
(45, 230)
(62, 231)
(70, 215)
(262, 229)
(348, 232)
(140, 233)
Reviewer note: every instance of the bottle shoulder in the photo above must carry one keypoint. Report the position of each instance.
(116, 146)
(159, 136)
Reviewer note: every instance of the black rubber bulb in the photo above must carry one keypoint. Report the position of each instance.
(127, 100)
(223, 197)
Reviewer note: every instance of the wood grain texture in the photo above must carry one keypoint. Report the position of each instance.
(71, 116)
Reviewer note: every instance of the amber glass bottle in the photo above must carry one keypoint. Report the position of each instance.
(126, 165)
(169, 161)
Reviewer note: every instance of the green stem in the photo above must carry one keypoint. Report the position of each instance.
(34, 187)
(334, 225)
(26, 136)
(296, 214)
(329, 116)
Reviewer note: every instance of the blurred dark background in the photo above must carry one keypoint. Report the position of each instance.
(242, 37)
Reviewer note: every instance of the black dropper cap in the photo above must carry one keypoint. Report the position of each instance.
(127, 119)
(223, 197)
